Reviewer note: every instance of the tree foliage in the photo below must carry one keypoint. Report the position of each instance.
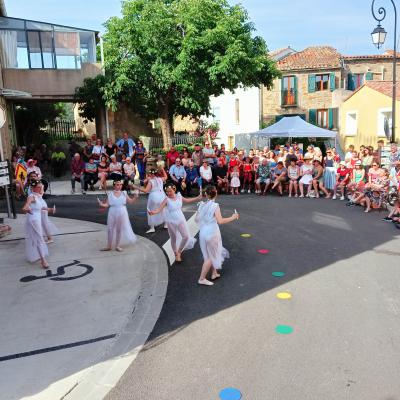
(167, 57)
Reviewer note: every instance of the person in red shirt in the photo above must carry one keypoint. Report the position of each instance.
(247, 175)
(342, 179)
(172, 155)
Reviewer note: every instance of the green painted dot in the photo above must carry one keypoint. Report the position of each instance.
(284, 329)
(278, 274)
(245, 235)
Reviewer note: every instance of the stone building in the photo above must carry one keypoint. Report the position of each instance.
(317, 80)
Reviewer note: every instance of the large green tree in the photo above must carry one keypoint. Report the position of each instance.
(167, 57)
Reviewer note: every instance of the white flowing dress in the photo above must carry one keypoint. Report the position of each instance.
(49, 229)
(156, 197)
(177, 226)
(118, 225)
(210, 235)
(35, 247)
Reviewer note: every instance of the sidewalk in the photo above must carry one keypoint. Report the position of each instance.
(71, 332)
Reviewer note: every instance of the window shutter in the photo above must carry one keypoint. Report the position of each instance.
(282, 92)
(350, 82)
(330, 118)
(369, 76)
(312, 116)
(295, 89)
(311, 83)
(332, 81)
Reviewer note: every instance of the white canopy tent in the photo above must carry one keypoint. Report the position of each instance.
(294, 127)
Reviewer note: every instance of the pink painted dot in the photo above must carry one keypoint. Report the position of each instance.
(263, 251)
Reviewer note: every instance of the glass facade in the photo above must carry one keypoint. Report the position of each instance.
(37, 45)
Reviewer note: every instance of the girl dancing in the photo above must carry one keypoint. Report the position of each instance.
(209, 217)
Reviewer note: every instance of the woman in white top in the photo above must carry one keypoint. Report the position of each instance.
(118, 224)
(206, 173)
(98, 150)
(35, 207)
(293, 175)
(176, 222)
(155, 188)
(209, 217)
(306, 173)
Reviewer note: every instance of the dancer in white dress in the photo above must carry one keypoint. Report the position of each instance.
(118, 225)
(209, 217)
(176, 222)
(35, 246)
(155, 188)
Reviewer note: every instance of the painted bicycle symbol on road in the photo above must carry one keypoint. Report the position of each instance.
(59, 275)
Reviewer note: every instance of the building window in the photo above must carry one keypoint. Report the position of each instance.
(351, 123)
(321, 82)
(237, 112)
(322, 118)
(384, 122)
(216, 114)
(358, 80)
(231, 142)
(289, 95)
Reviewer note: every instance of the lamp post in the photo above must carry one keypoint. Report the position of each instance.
(378, 38)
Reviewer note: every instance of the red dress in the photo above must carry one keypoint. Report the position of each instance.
(247, 171)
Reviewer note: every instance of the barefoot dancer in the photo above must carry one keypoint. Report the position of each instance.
(35, 246)
(176, 222)
(155, 189)
(118, 223)
(209, 217)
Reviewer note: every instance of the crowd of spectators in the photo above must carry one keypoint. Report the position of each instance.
(357, 178)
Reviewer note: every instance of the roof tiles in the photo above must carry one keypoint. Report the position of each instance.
(385, 87)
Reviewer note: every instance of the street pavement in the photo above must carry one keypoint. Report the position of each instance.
(341, 269)
(70, 332)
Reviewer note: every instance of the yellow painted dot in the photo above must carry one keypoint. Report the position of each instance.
(284, 295)
(245, 235)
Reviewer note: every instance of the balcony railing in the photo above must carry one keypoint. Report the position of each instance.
(289, 97)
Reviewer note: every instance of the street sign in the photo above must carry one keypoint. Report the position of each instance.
(4, 174)
(4, 180)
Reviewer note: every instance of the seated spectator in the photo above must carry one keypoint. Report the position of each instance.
(290, 156)
(306, 175)
(77, 173)
(129, 173)
(160, 162)
(318, 179)
(115, 168)
(178, 175)
(373, 174)
(185, 158)
(97, 151)
(293, 175)
(192, 178)
(102, 172)
(110, 149)
(32, 167)
(263, 177)
(279, 176)
(91, 176)
(220, 174)
(172, 155)
(206, 174)
(394, 215)
(342, 179)
(357, 181)
(395, 175)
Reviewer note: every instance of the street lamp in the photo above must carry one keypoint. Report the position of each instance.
(378, 39)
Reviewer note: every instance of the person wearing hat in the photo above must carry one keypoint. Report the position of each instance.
(342, 179)
(155, 188)
(357, 180)
(306, 173)
(119, 228)
(32, 167)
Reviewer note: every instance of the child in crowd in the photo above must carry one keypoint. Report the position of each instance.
(247, 175)
(235, 181)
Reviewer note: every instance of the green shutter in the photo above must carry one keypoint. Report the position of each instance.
(332, 81)
(295, 89)
(282, 92)
(330, 118)
(350, 82)
(311, 83)
(369, 76)
(312, 116)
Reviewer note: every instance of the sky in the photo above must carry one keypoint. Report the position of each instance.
(343, 24)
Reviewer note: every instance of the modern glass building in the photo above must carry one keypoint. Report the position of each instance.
(27, 44)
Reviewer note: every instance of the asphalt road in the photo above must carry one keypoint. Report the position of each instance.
(342, 269)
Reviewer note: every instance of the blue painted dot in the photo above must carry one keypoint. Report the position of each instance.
(230, 394)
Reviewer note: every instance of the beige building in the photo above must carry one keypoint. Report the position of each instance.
(317, 80)
(41, 61)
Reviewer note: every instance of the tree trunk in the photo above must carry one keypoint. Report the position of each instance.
(166, 126)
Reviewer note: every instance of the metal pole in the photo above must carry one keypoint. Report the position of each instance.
(394, 76)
